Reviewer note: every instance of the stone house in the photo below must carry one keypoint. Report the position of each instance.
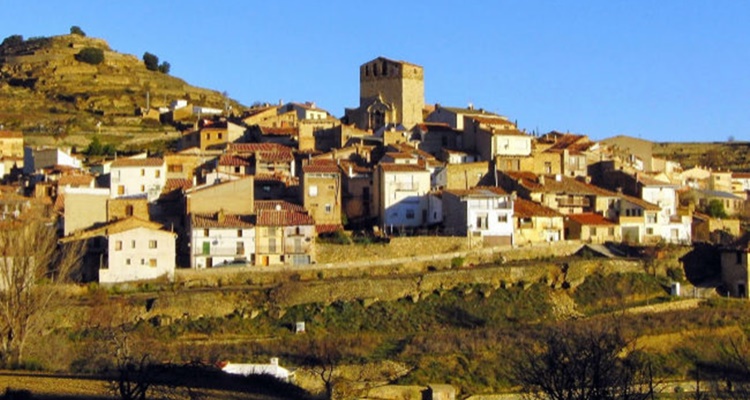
(357, 192)
(127, 250)
(714, 230)
(220, 239)
(321, 192)
(733, 204)
(138, 176)
(463, 176)
(455, 116)
(535, 223)
(484, 213)
(639, 220)
(231, 196)
(11, 150)
(35, 159)
(266, 158)
(213, 134)
(735, 271)
(284, 236)
(496, 139)
(592, 228)
(433, 137)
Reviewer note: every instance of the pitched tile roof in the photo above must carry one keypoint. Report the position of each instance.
(137, 162)
(279, 131)
(75, 180)
(321, 167)
(640, 202)
(478, 192)
(328, 228)
(557, 184)
(217, 220)
(591, 219)
(741, 175)
(11, 135)
(490, 120)
(251, 148)
(436, 127)
(282, 204)
(389, 167)
(523, 208)
(228, 160)
(177, 183)
(283, 218)
(117, 226)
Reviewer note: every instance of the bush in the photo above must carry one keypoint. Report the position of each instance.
(457, 262)
(151, 61)
(13, 40)
(76, 30)
(90, 55)
(164, 67)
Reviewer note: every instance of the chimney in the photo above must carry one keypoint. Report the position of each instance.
(541, 180)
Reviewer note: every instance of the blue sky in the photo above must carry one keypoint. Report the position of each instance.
(667, 70)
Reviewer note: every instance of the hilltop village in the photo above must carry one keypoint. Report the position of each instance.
(258, 188)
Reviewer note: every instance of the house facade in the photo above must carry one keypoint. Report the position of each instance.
(535, 223)
(141, 176)
(401, 195)
(284, 236)
(321, 192)
(485, 213)
(220, 239)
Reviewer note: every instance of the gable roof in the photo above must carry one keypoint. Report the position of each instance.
(220, 220)
(137, 162)
(117, 226)
(556, 184)
(280, 204)
(478, 192)
(590, 219)
(389, 167)
(11, 134)
(283, 218)
(523, 208)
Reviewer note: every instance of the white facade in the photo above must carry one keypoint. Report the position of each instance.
(213, 247)
(272, 369)
(663, 196)
(403, 195)
(139, 254)
(479, 212)
(510, 145)
(36, 159)
(138, 177)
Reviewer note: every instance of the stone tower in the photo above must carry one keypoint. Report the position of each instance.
(390, 92)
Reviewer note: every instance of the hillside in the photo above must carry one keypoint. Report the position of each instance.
(45, 90)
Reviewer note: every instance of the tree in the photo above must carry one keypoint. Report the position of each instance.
(579, 362)
(715, 209)
(76, 30)
(151, 61)
(32, 266)
(12, 40)
(164, 67)
(90, 55)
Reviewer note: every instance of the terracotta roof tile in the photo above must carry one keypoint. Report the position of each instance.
(216, 220)
(279, 131)
(328, 228)
(11, 135)
(479, 191)
(283, 218)
(228, 160)
(252, 148)
(177, 183)
(526, 208)
(75, 180)
(321, 167)
(388, 167)
(137, 162)
(282, 204)
(590, 219)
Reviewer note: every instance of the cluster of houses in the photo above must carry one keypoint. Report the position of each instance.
(258, 188)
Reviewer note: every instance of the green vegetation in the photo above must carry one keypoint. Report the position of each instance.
(715, 209)
(95, 148)
(604, 292)
(152, 63)
(76, 30)
(90, 55)
(12, 40)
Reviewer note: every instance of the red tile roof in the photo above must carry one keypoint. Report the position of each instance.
(177, 183)
(590, 219)
(328, 228)
(217, 221)
(11, 135)
(283, 218)
(741, 175)
(251, 148)
(272, 204)
(137, 162)
(388, 167)
(279, 131)
(321, 167)
(479, 191)
(228, 160)
(523, 208)
(557, 184)
(75, 180)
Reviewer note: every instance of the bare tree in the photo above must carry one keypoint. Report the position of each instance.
(582, 362)
(32, 263)
(726, 373)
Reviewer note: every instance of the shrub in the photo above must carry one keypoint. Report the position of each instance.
(90, 55)
(457, 262)
(151, 61)
(164, 67)
(13, 40)
(76, 30)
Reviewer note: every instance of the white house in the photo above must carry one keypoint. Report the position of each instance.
(485, 213)
(126, 250)
(273, 369)
(221, 239)
(402, 195)
(36, 159)
(132, 177)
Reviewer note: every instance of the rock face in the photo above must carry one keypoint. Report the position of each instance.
(44, 87)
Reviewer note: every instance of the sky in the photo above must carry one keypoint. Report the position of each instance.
(667, 70)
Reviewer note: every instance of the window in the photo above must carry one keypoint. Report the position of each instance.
(152, 244)
(120, 190)
(649, 231)
(592, 231)
(272, 245)
(739, 257)
(481, 222)
(409, 214)
(239, 232)
(132, 244)
(129, 210)
(312, 191)
(547, 167)
(502, 218)
(174, 168)
(220, 135)
(127, 261)
(329, 208)
(143, 172)
(143, 188)
(651, 218)
(143, 261)
(611, 231)
(118, 245)
(205, 232)
(152, 262)
(240, 248)
(206, 248)
(157, 173)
